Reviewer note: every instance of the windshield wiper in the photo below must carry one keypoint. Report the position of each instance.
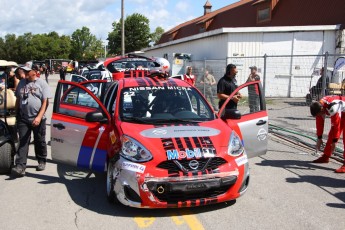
(172, 120)
(136, 119)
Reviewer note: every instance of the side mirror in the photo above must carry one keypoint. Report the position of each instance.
(231, 114)
(95, 116)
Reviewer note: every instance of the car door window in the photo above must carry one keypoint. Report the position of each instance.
(76, 102)
(110, 99)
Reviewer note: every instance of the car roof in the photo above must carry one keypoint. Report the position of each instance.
(151, 82)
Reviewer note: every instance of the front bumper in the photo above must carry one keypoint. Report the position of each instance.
(151, 189)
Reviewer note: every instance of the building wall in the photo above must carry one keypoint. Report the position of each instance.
(214, 47)
(286, 76)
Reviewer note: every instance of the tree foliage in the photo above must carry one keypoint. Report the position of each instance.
(82, 44)
(85, 45)
(137, 34)
(156, 35)
(34, 47)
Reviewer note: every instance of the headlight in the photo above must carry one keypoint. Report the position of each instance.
(134, 151)
(235, 147)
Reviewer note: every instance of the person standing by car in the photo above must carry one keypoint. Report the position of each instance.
(12, 79)
(20, 74)
(62, 73)
(32, 101)
(333, 106)
(316, 91)
(189, 77)
(253, 90)
(46, 72)
(208, 81)
(226, 85)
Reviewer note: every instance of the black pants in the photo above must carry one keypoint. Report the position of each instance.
(24, 131)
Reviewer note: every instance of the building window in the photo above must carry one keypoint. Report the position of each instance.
(264, 14)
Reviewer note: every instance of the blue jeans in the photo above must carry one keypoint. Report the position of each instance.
(24, 130)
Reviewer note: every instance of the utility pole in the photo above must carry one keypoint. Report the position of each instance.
(122, 28)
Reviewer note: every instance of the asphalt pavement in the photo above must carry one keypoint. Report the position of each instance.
(286, 191)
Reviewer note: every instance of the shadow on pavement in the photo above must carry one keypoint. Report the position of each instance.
(296, 103)
(293, 164)
(318, 180)
(298, 118)
(88, 190)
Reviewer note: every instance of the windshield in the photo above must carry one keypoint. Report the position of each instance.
(94, 75)
(164, 104)
(128, 64)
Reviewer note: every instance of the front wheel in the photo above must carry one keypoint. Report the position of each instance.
(5, 158)
(111, 183)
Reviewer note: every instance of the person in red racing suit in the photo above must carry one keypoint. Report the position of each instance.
(333, 106)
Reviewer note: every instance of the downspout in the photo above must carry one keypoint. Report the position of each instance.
(291, 63)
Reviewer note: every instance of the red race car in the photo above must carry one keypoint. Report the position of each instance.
(158, 139)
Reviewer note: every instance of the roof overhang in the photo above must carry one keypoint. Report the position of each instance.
(227, 30)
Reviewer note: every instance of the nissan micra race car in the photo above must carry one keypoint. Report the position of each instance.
(159, 141)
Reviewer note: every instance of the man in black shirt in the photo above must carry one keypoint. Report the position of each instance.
(226, 85)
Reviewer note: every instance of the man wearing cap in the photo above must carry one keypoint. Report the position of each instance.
(253, 90)
(32, 101)
(226, 85)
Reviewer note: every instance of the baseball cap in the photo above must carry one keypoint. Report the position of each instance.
(253, 67)
(26, 68)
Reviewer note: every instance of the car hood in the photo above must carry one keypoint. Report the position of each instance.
(195, 140)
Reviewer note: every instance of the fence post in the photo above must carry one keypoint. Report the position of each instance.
(324, 75)
(203, 77)
(264, 76)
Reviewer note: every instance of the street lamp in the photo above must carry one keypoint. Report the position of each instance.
(122, 29)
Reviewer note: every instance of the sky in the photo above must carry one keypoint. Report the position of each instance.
(66, 16)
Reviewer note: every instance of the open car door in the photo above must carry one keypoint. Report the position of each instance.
(80, 125)
(249, 119)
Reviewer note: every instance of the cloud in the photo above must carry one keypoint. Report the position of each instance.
(182, 6)
(63, 16)
(66, 16)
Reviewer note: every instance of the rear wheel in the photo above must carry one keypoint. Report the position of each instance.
(5, 158)
(111, 183)
(308, 99)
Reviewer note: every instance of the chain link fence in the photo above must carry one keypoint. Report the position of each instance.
(287, 81)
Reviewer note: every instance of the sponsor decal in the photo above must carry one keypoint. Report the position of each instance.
(159, 132)
(241, 160)
(262, 134)
(133, 167)
(196, 153)
(112, 137)
(140, 88)
(180, 131)
(57, 140)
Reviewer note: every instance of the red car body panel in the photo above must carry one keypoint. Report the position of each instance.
(190, 165)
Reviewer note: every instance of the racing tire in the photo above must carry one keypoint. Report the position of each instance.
(5, 158)
(112, 198)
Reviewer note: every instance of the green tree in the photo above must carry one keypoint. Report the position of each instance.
(2, 49)
(137, 34)
(114, 39)
(155, 36)
(85, 45)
